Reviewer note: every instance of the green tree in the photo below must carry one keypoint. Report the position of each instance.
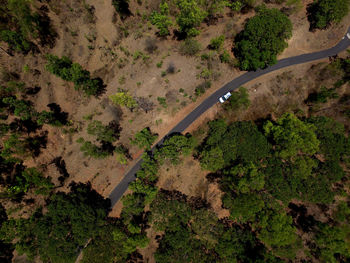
(189, 17)
(90, 149)
(239, 100)
(102, 133)
(123, 99)
(331, 242)
(70, 220)
(15, 40)
(323, 12)
(263, 38)
(74, 72)
(292, 136)
(173, 147)
(217, 42)
(161, 19)
(21, 108)
(244, 207)
(212, 159)
(276, 229)
(144, 139)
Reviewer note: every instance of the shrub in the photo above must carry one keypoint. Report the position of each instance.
(162, 101)
(190, 47)
(217, 42)
(123, 98)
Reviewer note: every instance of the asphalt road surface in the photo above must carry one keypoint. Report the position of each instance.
(118, 192)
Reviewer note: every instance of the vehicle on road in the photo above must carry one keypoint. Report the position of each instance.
(348, 35)
(225, 97)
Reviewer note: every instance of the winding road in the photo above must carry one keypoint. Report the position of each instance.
(119, 190)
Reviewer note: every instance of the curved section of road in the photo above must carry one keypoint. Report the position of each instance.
(120, 189)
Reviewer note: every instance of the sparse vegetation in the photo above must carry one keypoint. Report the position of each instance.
(190, 47)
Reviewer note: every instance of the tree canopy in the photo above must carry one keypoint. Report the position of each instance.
(322, 13)
(263, 38)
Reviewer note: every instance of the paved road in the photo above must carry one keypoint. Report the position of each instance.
(118, 192)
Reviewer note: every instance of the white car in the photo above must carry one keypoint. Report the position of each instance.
(225, 97)
(348, 35)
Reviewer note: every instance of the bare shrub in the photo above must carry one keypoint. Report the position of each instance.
(171, 68)
(150, 45)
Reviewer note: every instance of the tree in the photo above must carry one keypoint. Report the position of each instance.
(71, 219)
(244, 179)
(21, 108)
(239, 100)
(123, 99)
(244, 207)
(102, 133)
(16, 41)
(276, 229)
(90, 149)
(331, 242)
(173, 147)
(331, 135)
(144, 139)
(292, 136)
(212, 159)
(74, 72)
(263, 38)
(190, 16)
(217, 42)
(323, 12)
(161, 19)
(105, 247)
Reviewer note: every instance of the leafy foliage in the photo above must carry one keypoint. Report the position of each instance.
(144, 139)
(292, 135)
(239, 100)
(190, 16)
(173, 147)
(217, 42)
(323, 12)
(161, 19)
(263, 38)
(74, 72)
(71, 219)
(190, 47)
(123, 99)
(102, 133)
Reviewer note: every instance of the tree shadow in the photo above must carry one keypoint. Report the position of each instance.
(179, 35)
(310, 12)
(32, 91)
(24, 126)
(47, 34)
(122, 8)
(93, 198)
(36, 143)
(61, 167)
(301, 220)
(58, 114)
(101, 87)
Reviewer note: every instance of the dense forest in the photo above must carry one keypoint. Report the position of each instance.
(283, 179)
